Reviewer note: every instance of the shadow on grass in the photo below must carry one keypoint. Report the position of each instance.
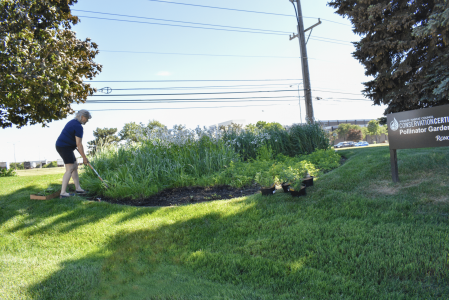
(266, 248)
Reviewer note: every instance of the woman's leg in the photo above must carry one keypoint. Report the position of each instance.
(76, 179)
(66, 178)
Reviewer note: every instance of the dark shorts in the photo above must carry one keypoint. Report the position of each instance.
(67, 154)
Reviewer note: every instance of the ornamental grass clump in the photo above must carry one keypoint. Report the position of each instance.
(290, 141)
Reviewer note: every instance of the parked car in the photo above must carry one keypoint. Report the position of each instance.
(361, 144)
(344, 144)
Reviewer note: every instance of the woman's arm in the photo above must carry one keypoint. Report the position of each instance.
(79, 145)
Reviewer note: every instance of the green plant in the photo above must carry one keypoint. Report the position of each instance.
(17, 166)
(52, 164)
(296, 184)
(7, 173)
(264, 179)
(288, 175)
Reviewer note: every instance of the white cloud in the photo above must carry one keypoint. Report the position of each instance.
(164, 73)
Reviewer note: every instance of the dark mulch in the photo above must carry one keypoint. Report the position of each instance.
(186, 195)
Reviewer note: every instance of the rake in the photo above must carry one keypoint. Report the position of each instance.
(94, 170)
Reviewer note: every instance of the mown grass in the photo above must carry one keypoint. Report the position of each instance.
(356, 235)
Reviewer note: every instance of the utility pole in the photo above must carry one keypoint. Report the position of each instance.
(304, 62)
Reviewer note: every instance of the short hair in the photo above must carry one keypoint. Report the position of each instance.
(83, 113)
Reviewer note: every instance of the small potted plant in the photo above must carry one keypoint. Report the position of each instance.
(286, 177)
(298, 189)
(307, 180)
(266, 182)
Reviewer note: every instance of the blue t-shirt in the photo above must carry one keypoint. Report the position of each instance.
(67, 137)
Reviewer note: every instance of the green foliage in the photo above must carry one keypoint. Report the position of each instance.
(153, 124)
(291, 141)
(404, 47)
(374, 128)
(43, 64)
(52, 164)
(7, 173)
(130, 131)
(344, 129)
(103, 137)
(356, 235)
(17, 166)
(355, 135)
(324, 160)
(265, 179)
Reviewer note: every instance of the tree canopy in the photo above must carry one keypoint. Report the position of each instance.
(103, 137)
(405, 47)
(42, 63)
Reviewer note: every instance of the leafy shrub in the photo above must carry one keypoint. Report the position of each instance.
(7, 173)
(265, 179)
(52, 164)
(17, 166)
(325, 160)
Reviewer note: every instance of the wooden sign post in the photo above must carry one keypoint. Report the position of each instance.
(421, 128)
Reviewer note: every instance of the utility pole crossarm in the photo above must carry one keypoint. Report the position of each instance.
(311, 27)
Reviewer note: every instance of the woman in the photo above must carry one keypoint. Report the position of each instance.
(71, 138)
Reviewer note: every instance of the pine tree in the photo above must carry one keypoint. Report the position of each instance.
(405, 47)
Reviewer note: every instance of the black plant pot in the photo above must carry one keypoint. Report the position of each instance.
(301, 192)
(286, 187)
(268, 191)
(308, 181)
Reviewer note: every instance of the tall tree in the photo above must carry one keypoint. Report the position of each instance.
(343, 129)
(130, 131)
(354, 135)
(405, 47)
(103, 137)
(42, 63)
(373, 128)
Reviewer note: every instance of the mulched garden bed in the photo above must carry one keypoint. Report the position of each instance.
(186, 195)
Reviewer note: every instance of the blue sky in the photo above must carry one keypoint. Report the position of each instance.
(231, 61)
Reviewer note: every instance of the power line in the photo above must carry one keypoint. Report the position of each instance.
(259, 31)
(205, 87)
(183, 100)
(201, 54)
(186, 26)
(248, 11)
(185, 94)
(184, 22)
(168, 108)
(197, 80)
(233, 9)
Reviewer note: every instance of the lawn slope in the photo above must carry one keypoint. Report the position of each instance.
(355, 236)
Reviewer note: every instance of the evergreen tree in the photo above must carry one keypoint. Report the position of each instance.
(405, 47)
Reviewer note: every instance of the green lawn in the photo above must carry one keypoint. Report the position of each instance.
(41, 171)
(355, 236)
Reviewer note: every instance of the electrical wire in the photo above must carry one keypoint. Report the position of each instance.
(201, 54)
(248, 11)
(185, 94)
(198, 80)
(182, 100)
(184, 22)
(223, 8)
(259, 31)
(205, 87)
(185, 26)
(169, 108)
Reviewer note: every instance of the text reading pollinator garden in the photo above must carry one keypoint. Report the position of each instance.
(178, 166)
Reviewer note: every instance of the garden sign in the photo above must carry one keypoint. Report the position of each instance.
(421, 128)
